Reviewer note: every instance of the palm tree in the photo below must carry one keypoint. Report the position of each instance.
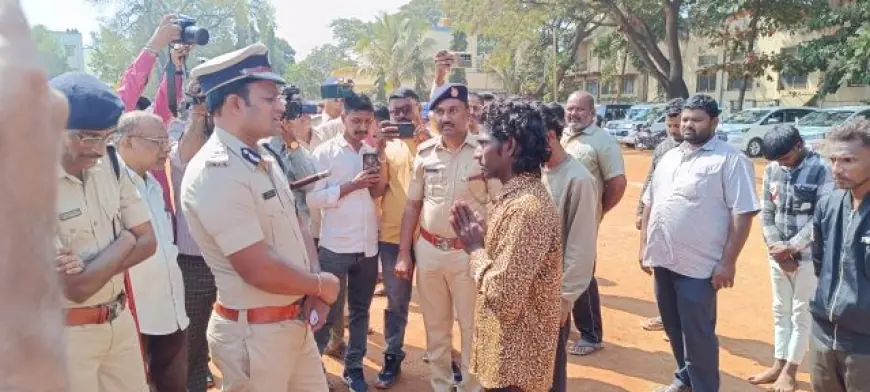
(393, 47)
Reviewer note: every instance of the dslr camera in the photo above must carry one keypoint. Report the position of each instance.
(191, 34)
(295, 106)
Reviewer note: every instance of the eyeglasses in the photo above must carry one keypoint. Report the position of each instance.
(92, 139)
(159, 141)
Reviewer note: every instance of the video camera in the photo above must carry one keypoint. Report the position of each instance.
(191, 34)
(340, 89)
(295, 106)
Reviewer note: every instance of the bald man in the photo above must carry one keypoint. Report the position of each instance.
(32, 344)
(600, 153)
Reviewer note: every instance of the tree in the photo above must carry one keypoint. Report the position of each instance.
(523, 33)
(232, 24)
(736, 26)
(347, 31)
(427, 10)
(459, 44)
(318, 66)
(393, 46)
(645, 24)
(842, 52)
(51, 52)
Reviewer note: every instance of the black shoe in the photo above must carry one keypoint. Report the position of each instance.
(355, 380)
(457, 373)
(389, 375)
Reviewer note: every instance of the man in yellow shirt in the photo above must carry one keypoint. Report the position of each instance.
(397, 157)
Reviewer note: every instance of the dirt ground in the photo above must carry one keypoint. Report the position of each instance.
(632, 360)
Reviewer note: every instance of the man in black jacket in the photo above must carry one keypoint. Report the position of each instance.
(840, 345)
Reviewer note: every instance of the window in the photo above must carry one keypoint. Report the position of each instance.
(628, 84)
(793, 115)
(736, 81)
(608, 88)
(70, 50)
(592, 87)
(775, 118)
(706, 82)
(707, 60)
(865, 114)
(788, 80)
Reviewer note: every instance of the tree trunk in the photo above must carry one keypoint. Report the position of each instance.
(750, 47)
(676, 85)
(621, 82)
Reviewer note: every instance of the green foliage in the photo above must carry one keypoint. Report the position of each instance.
(842, 52)
(346, 32)
(427, 10)
(393, 46)
(232, 24)
(51, 52)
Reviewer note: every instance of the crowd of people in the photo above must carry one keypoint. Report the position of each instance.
(176, 253)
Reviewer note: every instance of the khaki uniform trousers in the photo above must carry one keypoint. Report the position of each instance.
(106, 357)
(265, 357)
(445, 284)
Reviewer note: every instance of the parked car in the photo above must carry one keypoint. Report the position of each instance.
(625, 130)
(814, 126)
(743, 130)
(609, 112)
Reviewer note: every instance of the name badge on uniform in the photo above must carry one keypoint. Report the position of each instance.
(270, 194)
(865, 240)
(71, 214)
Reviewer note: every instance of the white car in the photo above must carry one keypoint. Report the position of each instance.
(814, 126)
(743, 130)
(625, 130)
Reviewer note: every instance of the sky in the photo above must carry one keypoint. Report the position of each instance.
(303, 23)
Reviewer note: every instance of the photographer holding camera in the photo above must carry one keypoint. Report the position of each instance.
(291, 148)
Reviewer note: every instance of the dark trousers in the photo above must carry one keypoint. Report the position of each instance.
(560, 371)
(505, 389)
(587, 314)
(362, 277)
(688, 309)
(837, 371)
(167, 361)
(398, 297)
(200, 294)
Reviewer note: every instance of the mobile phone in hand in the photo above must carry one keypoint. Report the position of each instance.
(406, 130)
(370, 161)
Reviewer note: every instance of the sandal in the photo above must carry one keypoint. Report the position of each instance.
(653, 324)
(584, 348)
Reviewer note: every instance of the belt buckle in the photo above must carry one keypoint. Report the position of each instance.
(443, 244)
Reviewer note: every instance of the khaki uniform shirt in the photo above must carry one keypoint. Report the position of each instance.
(87, 211)
(598, 151)
(233, 197)
(440, 177)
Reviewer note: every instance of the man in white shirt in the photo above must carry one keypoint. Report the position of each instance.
(349, 229)
(158, 287)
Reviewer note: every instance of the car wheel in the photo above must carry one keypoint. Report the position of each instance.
(754, 148)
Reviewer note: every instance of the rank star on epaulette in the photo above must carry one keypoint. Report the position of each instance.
(251, 156)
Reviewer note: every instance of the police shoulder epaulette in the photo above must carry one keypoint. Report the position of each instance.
(428, 144)
(219, 157)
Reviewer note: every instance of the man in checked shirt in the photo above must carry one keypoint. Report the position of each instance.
(794, 180)
(672, 122)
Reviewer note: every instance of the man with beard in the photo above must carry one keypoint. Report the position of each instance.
(476, 105)
(103, 230)
(600, 153)
(349, 231)
(397, 157)
(692, 259)
(840, 342)
(157, 283)
(444, 171)
(516, 255)
(672, 122)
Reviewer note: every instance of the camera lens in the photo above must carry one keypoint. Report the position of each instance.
(195, 35)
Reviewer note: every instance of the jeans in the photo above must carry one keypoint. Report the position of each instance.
(362, 276)
(560, 371)
(398, 297)
(688, 309)
(792, 292)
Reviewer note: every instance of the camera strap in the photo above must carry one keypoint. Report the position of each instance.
(171, 90)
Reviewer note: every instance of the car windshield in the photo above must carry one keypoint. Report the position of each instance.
(827, 118)
(746, 117)
(638, 112)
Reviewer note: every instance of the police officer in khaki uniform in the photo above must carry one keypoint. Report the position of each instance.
(444, 171)
(270, 293)
(103, 230)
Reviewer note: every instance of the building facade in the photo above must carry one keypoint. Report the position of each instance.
(74, 47)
